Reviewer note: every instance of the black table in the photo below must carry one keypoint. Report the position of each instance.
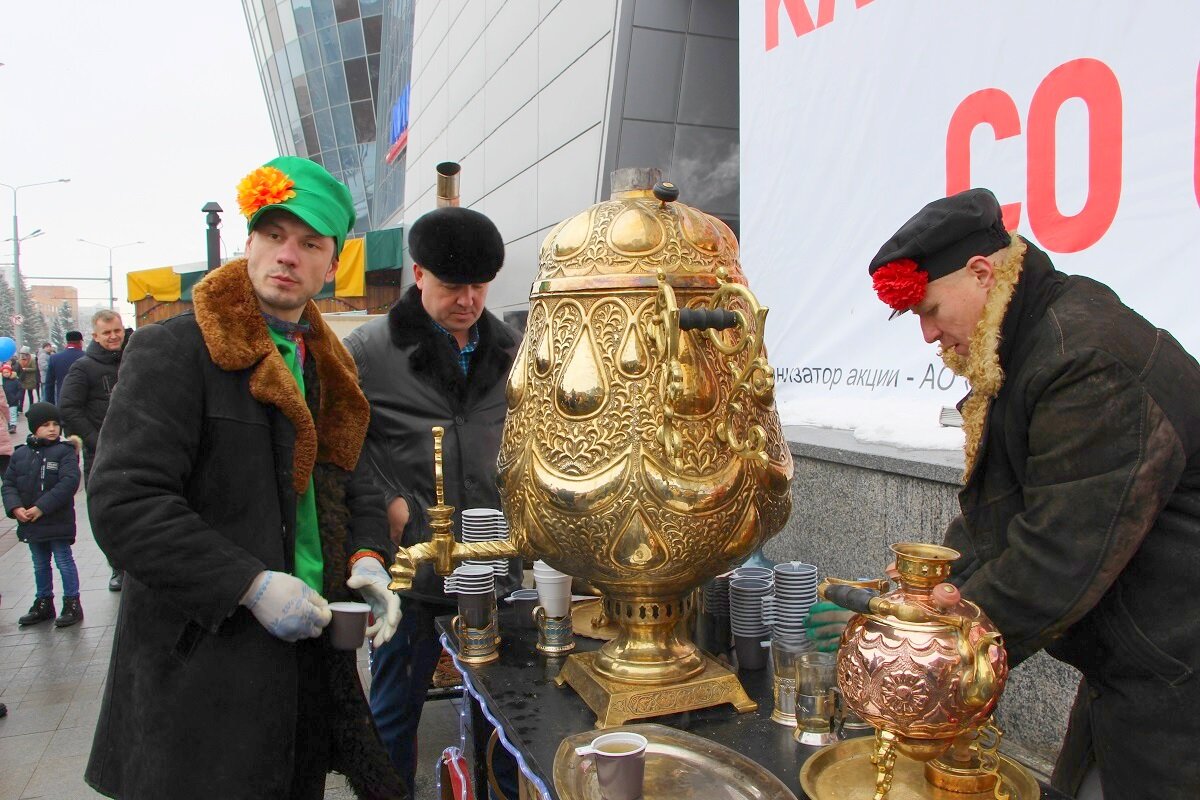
(517, 693)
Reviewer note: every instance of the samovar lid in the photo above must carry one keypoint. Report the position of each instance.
(627, 240)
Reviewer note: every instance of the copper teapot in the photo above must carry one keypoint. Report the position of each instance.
(925, 667)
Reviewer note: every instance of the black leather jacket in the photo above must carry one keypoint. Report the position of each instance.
(411, 377)
(1080, 525)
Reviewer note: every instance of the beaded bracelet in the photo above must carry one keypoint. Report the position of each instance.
(365, 554)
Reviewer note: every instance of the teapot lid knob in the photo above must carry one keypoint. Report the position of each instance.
(946, 596)
(666, 192)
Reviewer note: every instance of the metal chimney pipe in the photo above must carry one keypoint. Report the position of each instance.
(447, 183)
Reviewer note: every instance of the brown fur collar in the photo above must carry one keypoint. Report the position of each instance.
(981, 366)
(236, 336)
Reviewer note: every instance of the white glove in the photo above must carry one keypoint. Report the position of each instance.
(371, 580)
(286, 606)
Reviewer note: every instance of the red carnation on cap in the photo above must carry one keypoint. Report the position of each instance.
(900, 283)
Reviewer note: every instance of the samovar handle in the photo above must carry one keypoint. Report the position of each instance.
(753, 379)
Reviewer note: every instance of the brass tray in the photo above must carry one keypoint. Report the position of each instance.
(844, 771)
(582, 615)
(679, 766)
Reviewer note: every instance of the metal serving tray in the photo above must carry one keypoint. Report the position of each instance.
(844, 771)
(679, 766)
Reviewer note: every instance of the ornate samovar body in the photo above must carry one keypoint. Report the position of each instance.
(642, 450)
(926, 668)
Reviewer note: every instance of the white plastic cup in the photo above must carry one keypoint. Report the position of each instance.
(554, 594)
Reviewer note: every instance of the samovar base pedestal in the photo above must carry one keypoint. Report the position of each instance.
(616, 703)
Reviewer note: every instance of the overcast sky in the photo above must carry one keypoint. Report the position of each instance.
(151, 107)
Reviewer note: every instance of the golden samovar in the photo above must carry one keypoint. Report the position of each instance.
(926, 668)
(642, 450)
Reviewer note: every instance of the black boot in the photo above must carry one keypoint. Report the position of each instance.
(115, 582)
(41, 610)
(72, 612)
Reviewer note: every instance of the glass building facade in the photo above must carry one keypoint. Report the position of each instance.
(392, 113)
(319, 65)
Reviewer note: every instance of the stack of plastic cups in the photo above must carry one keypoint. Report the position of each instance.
(485, 525)
(795, 593)
(716, 611)
(785, 612)
(753, 572)
(746, 620)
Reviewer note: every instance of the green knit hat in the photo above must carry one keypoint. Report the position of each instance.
(300, 187)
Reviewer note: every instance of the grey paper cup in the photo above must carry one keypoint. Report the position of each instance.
(348, 627)
(523, 603)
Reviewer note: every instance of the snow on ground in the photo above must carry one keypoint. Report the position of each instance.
(899, 422)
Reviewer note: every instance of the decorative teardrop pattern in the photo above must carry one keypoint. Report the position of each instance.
(633, 360)
(636, 231)
(541, 359)
(638, 547)
(514, 392)
(583, 385)
(700, 390)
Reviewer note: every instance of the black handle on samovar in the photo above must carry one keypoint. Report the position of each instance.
(694, 319)
(852, 598)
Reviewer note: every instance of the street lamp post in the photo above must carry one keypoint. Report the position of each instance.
(112, 297)
(213, 234)
(16, 240)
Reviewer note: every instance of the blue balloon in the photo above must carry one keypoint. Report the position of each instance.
(7, 348)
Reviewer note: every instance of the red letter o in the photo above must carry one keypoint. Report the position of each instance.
(1094, 83)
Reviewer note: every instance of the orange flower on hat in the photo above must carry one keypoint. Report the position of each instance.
(264, 186)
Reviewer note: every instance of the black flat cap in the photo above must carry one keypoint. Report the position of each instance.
(456, 244)
(938, 240)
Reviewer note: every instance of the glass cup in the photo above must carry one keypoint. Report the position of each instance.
(816, 704)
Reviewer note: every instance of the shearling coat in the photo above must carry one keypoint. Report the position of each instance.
(206, 443)
(1080, 525)
(410, 374)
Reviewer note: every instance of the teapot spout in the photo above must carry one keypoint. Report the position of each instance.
(979, 685)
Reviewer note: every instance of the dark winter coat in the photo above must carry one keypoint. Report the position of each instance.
(193, 494)
(410, 374)
(56, 372)
(1080, 526)
(45, 474)
(12, 391)
(85, 393)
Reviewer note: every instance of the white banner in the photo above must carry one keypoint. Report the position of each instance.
(1081, 115)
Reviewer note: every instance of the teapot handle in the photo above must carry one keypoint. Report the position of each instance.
(852, 598)
(866, 601)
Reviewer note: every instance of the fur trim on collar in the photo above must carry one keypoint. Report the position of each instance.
(981, 366)
(433, 360)
(236, 336)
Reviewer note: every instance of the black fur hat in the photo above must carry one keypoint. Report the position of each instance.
(456, 244)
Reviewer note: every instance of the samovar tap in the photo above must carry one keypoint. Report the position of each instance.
(442, 550)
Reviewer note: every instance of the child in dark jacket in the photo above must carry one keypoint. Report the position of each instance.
(39, 492)
(12, 394)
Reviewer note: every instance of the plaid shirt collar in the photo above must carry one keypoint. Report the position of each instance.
(292, 330)
(463, 353)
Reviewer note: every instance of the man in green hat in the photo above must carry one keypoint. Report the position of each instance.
(229, 490)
